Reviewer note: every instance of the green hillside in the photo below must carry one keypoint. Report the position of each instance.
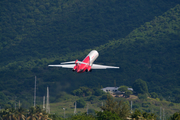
(150, 52)
(126, 33)
(35, 29)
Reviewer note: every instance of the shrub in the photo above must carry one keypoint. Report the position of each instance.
(80, 103)
(142, 96)
(135, 106)
(104, 97)
(153, 95)
(98, 92)
(91, 98)
(146, 104)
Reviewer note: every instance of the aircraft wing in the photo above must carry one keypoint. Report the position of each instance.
(63, 66)
(96, 66)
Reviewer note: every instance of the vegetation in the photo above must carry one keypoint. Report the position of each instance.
(85, 91)
(112, 109)
(128, 93)
(119, 108)
(154, 95)
(140, 86)
(107, 115)
(124, 89)
(81, 103)
(22, 114)
(137, 115)
(141, 37)
(175, 116)
(147, 104)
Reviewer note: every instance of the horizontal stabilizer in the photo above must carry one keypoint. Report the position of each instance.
(68, 62)
(96, 66)
(74, 62)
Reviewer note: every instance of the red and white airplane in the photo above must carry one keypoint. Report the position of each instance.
(86, 65)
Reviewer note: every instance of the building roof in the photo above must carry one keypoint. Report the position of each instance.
(114, 88)
(111, 88)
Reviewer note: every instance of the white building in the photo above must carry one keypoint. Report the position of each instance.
(113, 89)
(110, 89)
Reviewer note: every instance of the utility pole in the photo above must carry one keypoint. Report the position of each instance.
(19, 104)
(160, 113)
(35, 93)
(87, 108)
(44, 102)
(64, 112)
(131, 106)
(47, 102)
(102, 106)
(163, 114)
(75, 108)
(15, 102)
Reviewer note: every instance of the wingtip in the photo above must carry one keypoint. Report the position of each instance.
(116, 67)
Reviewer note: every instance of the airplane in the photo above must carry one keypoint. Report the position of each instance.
(85, 65)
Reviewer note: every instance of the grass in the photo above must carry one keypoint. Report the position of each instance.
(68, 103)
(148, 105)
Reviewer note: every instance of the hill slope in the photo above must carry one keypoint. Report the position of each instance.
(151, 52)
(36, 29)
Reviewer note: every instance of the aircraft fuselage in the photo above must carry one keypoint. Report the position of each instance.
(89, 59)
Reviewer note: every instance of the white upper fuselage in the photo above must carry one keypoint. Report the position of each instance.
(93, 55)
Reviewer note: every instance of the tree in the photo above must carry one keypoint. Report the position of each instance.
(82, 91)
(91, 98)
(142, 96)
(128, 93)
(137, 114)
(20, 113)
(120, 108)
(3, 98)
(78, 92)
(8, 113)
(177, 99)
(175, 116)
(140, 86)
(80, 103)
(123, 88)
(91, 111)
(32, 113)
(83, 116)
(86, 91)
(107, 115)
(149, 116)
(37, 113)
(98, 92)
(154, 95)
(103, 97)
